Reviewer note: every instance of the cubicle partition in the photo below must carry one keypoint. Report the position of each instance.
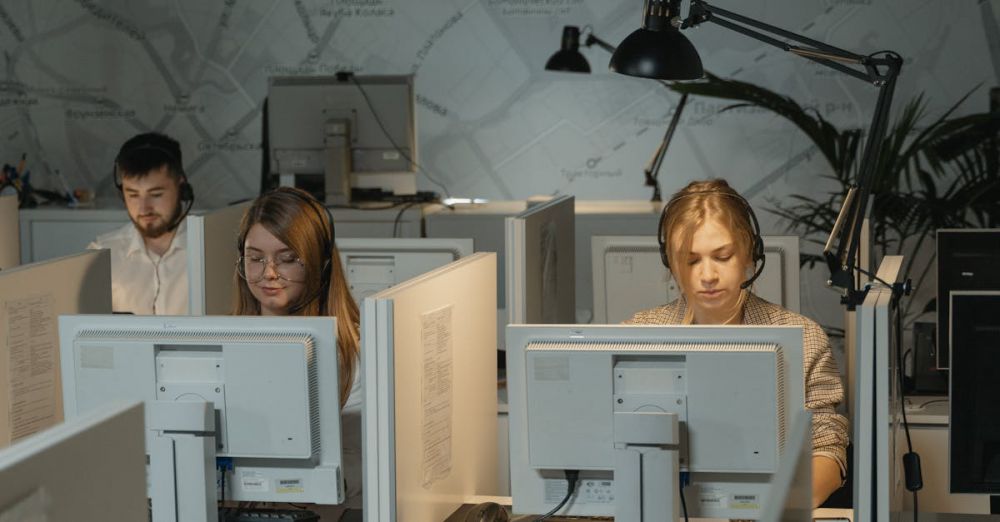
(211, 259)
(10, 234)
(879, 441)
(89, 469)
(540, 247)
(429, 368)
(32, 297)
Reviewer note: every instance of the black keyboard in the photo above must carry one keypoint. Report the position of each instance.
(267, 515)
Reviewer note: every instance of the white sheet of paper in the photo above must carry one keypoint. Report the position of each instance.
(32, 338)
(436, 391)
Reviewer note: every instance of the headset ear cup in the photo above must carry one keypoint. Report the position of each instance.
(186, 192)
(661, 239)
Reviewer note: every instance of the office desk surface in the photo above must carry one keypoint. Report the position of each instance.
(819, 514)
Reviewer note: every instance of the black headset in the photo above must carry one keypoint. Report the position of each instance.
(170, 151)
(757, 248)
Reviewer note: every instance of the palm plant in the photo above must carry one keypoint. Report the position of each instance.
(942, 174)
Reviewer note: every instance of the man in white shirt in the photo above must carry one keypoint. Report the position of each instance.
(148, 259)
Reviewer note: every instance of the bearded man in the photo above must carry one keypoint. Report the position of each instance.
(148, 260)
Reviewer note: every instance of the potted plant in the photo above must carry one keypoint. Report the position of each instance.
(933, 174)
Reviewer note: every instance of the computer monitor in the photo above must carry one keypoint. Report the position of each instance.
(272, 381)
(540, 266)
(351, 133)
(211, 259)
(87, 469)
(10, 232)
(32, 297)
(974, 430)
(606, 218)
(372, 265)
(879, 441)
(629, 275)
(430, 417)
(582, 396)
(967, 259)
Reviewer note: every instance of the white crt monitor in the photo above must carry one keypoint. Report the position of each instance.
(590, 398)
(272, 380)
(87, 469)
(629, 275)
(372, 265)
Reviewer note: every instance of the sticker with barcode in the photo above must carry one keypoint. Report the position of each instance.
(714, 498)
(290, 486)
(744, 502)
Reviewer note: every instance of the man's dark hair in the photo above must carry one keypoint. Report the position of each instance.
(149, 151)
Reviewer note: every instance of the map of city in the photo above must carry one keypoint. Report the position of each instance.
(81, 76)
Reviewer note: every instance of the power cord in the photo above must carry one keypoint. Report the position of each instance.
(911, 460)
(399, 149)
(572, 476)
(684, 507)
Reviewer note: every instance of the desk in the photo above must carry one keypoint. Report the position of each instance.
(819, 514)
(928, 418)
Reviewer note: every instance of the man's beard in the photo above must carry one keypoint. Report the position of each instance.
(156, 229)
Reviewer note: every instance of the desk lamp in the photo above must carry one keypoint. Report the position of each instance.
(569, 59)
(658, 50)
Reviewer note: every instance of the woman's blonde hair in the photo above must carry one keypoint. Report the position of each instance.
(690, 208)
(302, 223)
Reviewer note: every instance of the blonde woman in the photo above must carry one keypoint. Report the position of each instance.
(710, 243)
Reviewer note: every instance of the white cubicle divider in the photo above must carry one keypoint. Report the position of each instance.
(211, 259)
(629, 275)
(372, 265)
(32, 297)
(10, 232)
(540, 267)
(88, 469)
(879, 442)
(429, 368)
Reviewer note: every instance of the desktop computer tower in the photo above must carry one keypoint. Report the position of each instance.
(967, 260)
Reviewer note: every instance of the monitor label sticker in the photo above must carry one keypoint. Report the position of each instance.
(745, 501)
(255, 481)
(290, 486)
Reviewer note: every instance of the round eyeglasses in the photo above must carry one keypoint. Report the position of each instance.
(289, 267)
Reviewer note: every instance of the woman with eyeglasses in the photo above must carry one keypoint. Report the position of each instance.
(288, 264)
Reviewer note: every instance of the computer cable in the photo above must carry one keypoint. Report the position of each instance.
(911, 460)
(399, 149)
(572, 475)
(684, 506)
(399, 217)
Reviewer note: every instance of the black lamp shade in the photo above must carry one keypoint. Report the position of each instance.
(663, 55)
(568, 58)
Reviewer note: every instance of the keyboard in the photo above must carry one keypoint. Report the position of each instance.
(267, 515)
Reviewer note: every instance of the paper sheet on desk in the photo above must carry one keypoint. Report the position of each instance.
(436, 391)
(32, 339)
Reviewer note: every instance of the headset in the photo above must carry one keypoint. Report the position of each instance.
(757, 247)
(171, 156)
(329, 241)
